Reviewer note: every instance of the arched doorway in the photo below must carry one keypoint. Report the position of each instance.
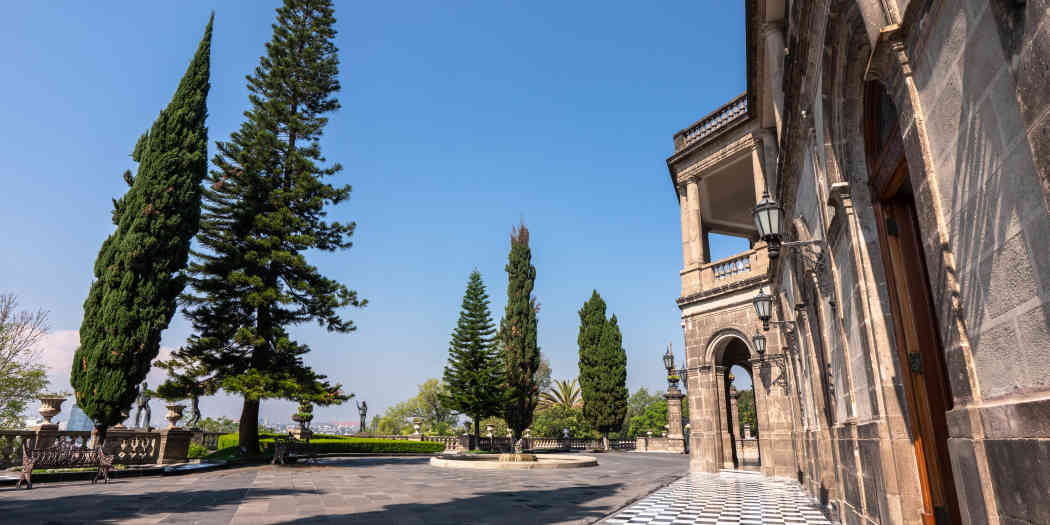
(739, 450)
(919, 349)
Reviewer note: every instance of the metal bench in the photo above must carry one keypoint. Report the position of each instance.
(288, 447)
(63, 455)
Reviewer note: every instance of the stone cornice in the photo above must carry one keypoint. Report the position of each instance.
(746, 142)
(712, 292)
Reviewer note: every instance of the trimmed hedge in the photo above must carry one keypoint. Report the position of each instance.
(335, 444)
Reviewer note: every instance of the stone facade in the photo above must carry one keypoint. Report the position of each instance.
(863, 339)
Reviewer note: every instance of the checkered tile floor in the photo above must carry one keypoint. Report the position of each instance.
(728, 498)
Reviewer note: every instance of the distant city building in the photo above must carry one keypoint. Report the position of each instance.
(78, 420)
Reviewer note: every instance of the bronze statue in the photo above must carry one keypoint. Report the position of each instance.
(362, 408)
(142, 403)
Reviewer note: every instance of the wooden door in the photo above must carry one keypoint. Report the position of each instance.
(919, 349)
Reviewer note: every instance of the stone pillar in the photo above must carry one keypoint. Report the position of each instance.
(174, 446)
(774, 43)
(758, 172)
(733, 413)
(674, 413)
(44, 436)
(696, 232)
(683, 199)
(726, 457)
(706, 449)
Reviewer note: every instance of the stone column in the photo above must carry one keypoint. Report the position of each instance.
(733, 395)
(774, 42)
(758, 172)
(683, 199)
(696, 232)
(674, 413)
(45, 435)
(723, 418)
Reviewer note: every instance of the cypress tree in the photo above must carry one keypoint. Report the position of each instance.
(473, 373)
(138, 272)
(603, 368)
(521, 356)
(265, 208)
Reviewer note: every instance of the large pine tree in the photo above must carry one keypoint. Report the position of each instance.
(521, 356)
(603, 368)
(138, 273)
(264, 209)
(473, 375)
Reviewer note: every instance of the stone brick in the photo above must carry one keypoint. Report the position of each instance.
(968, 482)
(995, 352)
(1020, 472)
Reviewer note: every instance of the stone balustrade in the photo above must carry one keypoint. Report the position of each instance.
(129, 447)
(718, 119)
(731, 270)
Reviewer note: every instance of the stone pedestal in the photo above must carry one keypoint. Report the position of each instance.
(174, 446)
(674, 412)
(45, 435)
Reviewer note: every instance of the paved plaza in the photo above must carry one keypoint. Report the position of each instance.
(729, 498)
(401, 490)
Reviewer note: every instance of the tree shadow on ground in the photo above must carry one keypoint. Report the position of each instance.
(517, 507)
(345, 461)
(100, 506)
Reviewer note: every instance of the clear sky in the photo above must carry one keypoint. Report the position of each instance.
(459, 119)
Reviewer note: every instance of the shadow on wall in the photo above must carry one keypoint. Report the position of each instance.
(996, 211)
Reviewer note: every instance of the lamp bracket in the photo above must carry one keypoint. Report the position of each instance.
(807, 250)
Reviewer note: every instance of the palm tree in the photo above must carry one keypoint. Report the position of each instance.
(564, 393)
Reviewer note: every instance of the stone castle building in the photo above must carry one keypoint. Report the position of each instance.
(906, 372)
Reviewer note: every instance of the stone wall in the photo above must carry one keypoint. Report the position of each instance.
(968, 84)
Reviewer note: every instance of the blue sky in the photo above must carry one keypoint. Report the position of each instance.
(458, 120)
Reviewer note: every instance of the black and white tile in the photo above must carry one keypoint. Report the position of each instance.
(727, 498)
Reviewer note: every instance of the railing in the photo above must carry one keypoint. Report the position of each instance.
(714, 121)
(742, 266)
(129, 447)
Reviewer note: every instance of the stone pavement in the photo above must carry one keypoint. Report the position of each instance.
(728, 498)
(352, 490)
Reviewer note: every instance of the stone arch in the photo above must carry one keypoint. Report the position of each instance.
(716, 345)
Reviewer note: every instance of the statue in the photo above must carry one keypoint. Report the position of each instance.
(362, 409)
(195, 411)
(142, 403)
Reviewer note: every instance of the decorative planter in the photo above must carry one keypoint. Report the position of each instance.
(50, 406)
(489, 429)
(174, 413)
(417, 423)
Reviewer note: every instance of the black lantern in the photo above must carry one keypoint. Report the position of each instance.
(760, 344)
(669, 361)
(763, 305)
(768, 215)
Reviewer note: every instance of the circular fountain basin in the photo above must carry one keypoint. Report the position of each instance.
(493, 462)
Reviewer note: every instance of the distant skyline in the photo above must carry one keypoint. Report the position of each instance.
(456, 124)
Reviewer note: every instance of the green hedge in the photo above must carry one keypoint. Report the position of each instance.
(334, 444)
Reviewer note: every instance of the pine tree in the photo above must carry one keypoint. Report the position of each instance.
(264, 209)
(473, 374)
(138, 272)
(603, 368)
(521, 356)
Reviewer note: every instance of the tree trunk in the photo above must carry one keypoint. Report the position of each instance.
(98, 436)
(477, 433)
(248, 434)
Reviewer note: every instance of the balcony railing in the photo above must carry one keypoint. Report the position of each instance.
(718, 119)
(731, 270)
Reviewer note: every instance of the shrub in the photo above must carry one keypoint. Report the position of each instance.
(324, 443)
(197, 451)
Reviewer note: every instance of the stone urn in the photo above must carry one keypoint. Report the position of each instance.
(489, 429)
(528, 432)
(174, 413)
(468, 426)
(417, 423)
(649, 434)
(510, 433)
(50, 406)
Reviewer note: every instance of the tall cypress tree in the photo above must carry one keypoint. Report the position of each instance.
(473, 374)
(265, 207)
(521, 356)
(138, 272)
(603, 368)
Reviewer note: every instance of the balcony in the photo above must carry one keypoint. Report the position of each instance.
(733, 111)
